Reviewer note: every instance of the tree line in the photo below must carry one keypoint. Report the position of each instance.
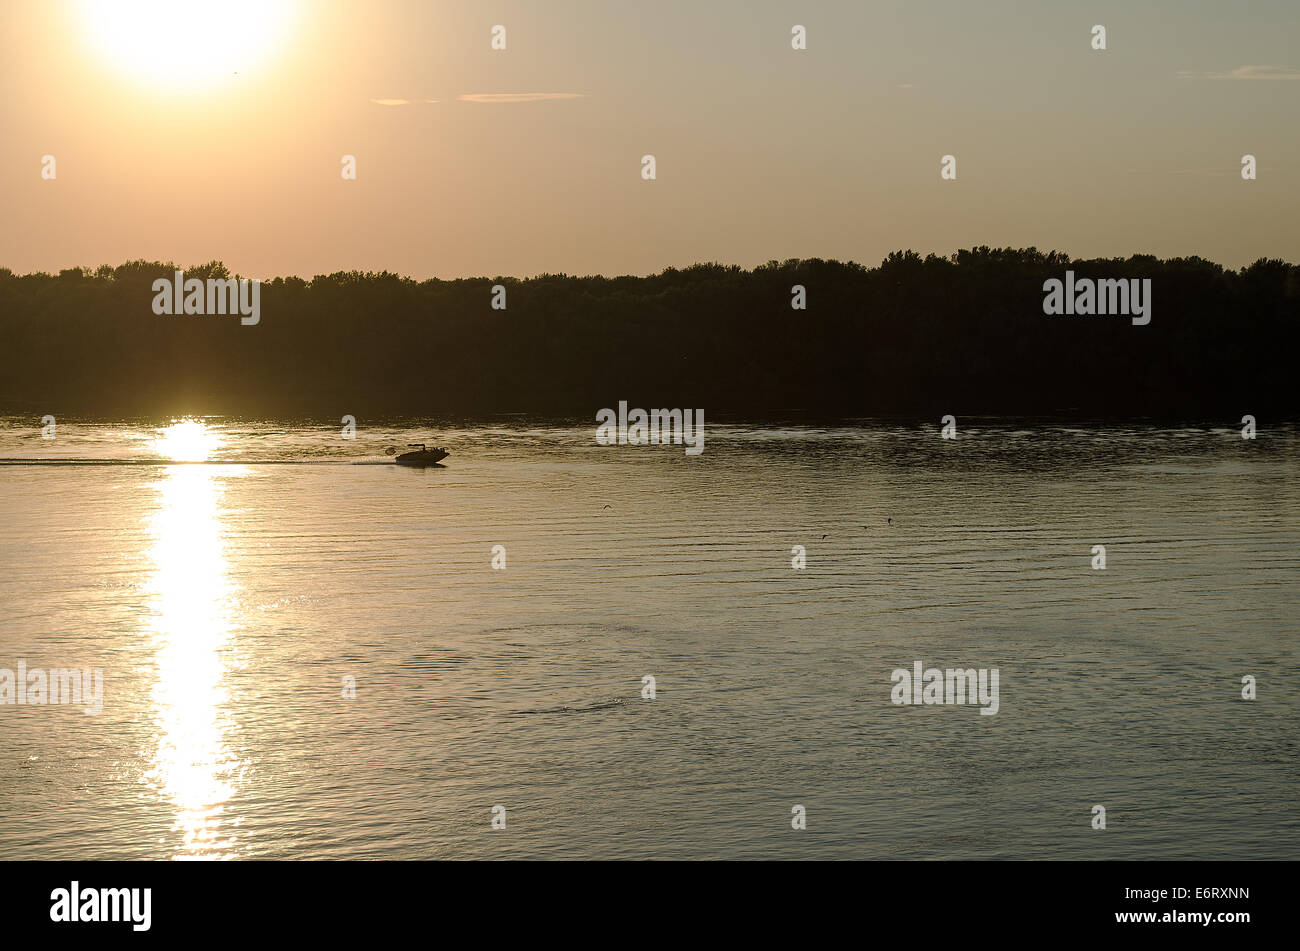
(962, 334)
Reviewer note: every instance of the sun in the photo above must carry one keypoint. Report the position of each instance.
(186, 42)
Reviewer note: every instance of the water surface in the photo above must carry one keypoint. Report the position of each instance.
(228, 601)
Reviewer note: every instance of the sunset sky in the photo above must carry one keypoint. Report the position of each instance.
(185, 140)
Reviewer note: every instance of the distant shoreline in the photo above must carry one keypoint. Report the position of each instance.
(971, 335)
(15, 418)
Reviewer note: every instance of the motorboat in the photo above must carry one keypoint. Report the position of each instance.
(422, 456)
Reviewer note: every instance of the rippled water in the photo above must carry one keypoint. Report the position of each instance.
(226, 602)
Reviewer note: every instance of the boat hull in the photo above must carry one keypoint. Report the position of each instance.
(427, 457)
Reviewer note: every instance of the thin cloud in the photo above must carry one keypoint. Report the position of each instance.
(1205, 172)
(400, 102)
(518, 96)
(1246, 72)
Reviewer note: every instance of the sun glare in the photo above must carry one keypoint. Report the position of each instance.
(196, 765)
(186, 42)
(186, 441)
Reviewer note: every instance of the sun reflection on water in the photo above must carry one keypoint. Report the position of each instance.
(191, 596)
(188, 440)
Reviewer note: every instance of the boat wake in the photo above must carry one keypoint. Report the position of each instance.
(204, 462)
(592, 708)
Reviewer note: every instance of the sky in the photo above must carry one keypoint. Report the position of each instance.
(218, 131)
